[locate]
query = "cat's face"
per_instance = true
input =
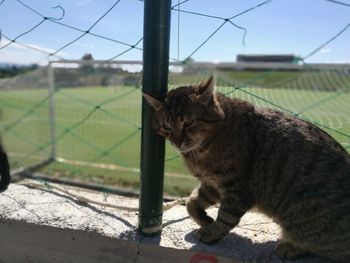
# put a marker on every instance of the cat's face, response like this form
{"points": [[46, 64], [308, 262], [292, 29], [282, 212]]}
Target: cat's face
{"points": [[187, 116]]}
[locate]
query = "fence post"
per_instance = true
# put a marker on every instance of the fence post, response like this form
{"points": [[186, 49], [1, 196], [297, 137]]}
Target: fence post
{"points": [[52, 111], [156, 37]]}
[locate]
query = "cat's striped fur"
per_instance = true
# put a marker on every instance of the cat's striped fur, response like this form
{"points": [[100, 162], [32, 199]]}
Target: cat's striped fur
{"points": [[247, 157]]}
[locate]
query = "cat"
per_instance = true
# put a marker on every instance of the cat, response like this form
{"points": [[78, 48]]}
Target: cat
{"points": [[247, 157], [4, 170]]}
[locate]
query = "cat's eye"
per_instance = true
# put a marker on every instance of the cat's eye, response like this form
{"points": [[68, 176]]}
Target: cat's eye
{"points": [[166, 127], [188, 123]]}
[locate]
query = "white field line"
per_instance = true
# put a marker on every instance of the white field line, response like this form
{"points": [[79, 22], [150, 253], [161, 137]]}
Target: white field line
{"points": [[115, 167]]}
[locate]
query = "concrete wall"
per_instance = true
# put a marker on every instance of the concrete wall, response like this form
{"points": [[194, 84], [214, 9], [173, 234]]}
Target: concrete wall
{"points": [[25, 242], [45, 225]]}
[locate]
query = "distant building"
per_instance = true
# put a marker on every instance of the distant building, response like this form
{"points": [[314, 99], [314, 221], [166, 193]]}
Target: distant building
{"points": [[282, 58]]}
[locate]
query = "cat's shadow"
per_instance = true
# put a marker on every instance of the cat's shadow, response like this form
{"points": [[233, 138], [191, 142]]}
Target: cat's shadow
{"points": [[243, 249]]}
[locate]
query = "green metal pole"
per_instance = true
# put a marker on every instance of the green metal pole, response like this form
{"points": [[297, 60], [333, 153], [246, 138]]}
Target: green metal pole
{"points": [[156, 37]]}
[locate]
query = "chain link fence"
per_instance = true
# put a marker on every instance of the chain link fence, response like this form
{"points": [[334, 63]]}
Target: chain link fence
{"points": [[85, 117], [80, 120]]}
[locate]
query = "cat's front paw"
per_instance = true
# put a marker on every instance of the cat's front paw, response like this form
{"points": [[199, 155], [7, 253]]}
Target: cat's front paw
{"points": [[210, 233]]}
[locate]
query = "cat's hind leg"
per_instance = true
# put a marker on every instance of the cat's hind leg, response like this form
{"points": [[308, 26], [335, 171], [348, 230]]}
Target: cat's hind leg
{"points": [[201, 198]]}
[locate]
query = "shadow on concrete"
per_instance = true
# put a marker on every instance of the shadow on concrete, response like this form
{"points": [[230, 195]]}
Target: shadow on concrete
{"points": [[243, 249], [92, 207], [170, 222], [135, 235]]}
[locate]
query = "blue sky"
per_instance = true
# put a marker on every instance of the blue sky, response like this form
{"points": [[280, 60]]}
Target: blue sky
{"points": [[280, 26]]}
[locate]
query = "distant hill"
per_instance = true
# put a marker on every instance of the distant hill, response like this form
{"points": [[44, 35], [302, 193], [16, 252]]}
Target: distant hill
{"points": [[11, 70], [6, 65]]}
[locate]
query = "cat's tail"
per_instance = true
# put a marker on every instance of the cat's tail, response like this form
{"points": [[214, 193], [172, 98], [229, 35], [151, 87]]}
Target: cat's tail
{"points": [[4, 171]]}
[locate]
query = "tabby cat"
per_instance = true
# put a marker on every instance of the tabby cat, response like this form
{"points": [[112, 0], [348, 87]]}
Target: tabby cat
{"points": [[4, 170], [247, 157]]}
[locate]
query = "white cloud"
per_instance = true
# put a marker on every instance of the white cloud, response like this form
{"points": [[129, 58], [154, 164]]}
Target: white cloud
{"points": [[47, 50], [325, 50], [19, 54]]}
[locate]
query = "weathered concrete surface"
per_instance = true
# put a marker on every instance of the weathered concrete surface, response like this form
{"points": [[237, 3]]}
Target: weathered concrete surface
{"points": [[54, 227], [31, 243]]}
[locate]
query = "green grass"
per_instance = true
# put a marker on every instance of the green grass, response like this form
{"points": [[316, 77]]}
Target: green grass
{"points": [[109, 134], [102, 125], [264, 78]]}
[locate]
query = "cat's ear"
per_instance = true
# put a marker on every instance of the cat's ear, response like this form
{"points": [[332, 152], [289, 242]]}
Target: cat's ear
{"points": [[207, 96], [156, 104], [206, 87], [204, 92]]}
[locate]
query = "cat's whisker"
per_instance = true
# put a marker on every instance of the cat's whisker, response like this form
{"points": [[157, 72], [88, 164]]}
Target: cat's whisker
{"points": [[194, 157]]}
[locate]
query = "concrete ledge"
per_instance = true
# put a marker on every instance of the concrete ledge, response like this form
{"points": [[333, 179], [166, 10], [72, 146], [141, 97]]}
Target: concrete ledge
{"points": [[48, 226], [27, 242]]}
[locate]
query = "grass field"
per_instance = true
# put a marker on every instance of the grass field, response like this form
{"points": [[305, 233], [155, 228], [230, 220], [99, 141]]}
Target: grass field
{"points": [[99, 125]]}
